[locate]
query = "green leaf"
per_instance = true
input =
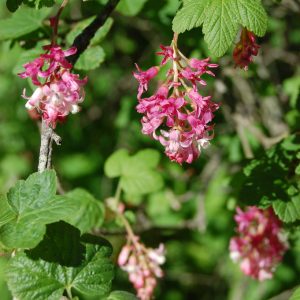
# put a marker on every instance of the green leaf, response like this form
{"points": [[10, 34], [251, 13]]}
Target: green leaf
{"points": [[251, 14], [220, 26], [97, 263], [40, 279], [90, 59], [13, 5], [144, 159], [271, 179], [78, 165], [114, 164], [137, 175], [90, 212], [291, 87], [4, 292], [40, 3], [61, 245], [6, 213], [190, 16], [14, 165], [159, 209], [24, 21], [32, 204], [288, 211], [295, 295], [297, 170], [99, 36], [29, 279], [102, 32], [141, 181], [130, 7], [221, 20], [28, 195], [121, 295]]}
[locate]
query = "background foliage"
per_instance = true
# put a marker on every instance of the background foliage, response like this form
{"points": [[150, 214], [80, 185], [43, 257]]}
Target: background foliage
{"points": [[189, 208]]}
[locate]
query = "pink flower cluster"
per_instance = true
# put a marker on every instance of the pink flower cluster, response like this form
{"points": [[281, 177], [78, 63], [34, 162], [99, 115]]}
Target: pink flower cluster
{"points": [[260, 244], [59, 91], [143, 266], [177, 115], [245, 49]]}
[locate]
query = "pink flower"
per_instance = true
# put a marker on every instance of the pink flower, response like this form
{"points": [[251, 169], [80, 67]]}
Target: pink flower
{"points": [[61, 92], [143, 78], [192, 76], [56, 99], [202, 65], [52, 61], [260, 244], [143, 266], [177, 115], [245, 49], [167, 52]]}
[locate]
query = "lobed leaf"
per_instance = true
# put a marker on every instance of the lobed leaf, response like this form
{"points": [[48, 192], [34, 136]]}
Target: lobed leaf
{"points": [[272, 179], [288, 211], [121, 295], [90, 212], [90, 59], [54, 266], [24, 21], [136, 172], [220, 26], [190, 16], [251, 14], [221, 20], [138, 182], [295, 295], [13, 5], [99, 35], [130, 7], [114, 164], [32, 204]]}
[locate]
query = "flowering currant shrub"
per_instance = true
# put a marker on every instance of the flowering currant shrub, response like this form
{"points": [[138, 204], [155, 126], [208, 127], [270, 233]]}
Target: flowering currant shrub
{"points": [[108, 215]]}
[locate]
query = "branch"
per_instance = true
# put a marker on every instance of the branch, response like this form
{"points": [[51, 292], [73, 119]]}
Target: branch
{"points": [[82, 41], [47, 137]]}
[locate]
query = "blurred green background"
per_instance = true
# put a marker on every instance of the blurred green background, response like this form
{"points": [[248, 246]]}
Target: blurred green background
{"points": [[192, 215]]}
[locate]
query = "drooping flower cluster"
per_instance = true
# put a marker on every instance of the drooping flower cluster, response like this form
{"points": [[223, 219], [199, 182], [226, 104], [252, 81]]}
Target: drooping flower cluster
{"points": [[177, 115], [143, 266], [245, 49], [58, 91], [260, 244]]}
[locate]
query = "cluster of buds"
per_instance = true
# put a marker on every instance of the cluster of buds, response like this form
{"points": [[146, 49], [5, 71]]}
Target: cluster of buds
{"points": [[245, 49], [143, 266], [260, 244], [58, 90], [177, 115]]}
